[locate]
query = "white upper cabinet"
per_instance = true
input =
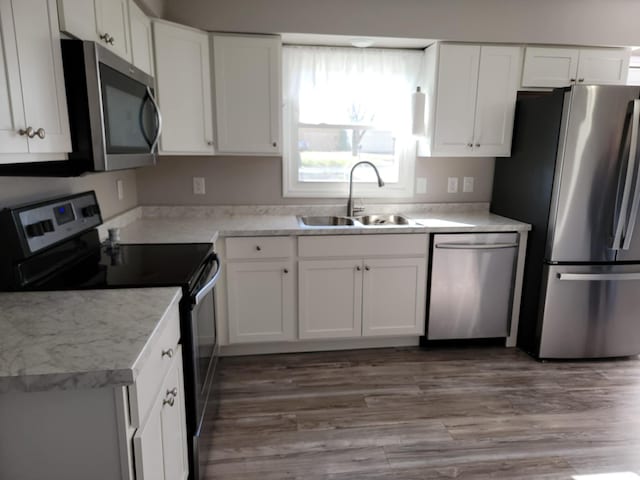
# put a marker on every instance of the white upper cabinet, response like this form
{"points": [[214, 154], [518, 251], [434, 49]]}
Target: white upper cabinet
{"points": [[141, 39], [33, 111], [102, 21], [561, 67], [183, 78], [470, 94], [248, 98]]}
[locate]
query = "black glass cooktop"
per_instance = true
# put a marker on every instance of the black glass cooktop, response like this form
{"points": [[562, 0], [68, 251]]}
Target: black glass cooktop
{"points": [[133, 266]]}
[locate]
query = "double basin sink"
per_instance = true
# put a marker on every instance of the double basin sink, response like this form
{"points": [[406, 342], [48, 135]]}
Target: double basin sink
{"points": [[363, 221]]}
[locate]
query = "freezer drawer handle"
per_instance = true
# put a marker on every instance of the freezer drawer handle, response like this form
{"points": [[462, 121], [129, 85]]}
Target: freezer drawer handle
{"points": [[475, 246], [599, 277]]}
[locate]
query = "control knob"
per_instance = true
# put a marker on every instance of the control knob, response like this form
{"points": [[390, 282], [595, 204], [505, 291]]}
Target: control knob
{"points": [[90, 210], [38, 229]]}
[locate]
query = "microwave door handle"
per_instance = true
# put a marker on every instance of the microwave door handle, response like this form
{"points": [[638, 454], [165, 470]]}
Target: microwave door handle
{"points": [[633, 147], [142, 129], [158, 119]]}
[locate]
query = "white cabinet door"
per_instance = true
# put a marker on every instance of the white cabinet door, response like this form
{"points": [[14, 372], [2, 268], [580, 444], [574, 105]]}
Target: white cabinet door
{"points": [[603, 66], [260, 301], [550, 67], [394, 296], [247, 79], [11, 108], [147, 446], [330, 298], [495, 107], [141, 39], [112, 21], [183, 79], [43, 90], [456, 99], [78, 18], [173, 421]]}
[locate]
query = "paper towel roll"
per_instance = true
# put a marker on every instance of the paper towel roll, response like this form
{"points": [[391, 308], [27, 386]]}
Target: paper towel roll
{"points": [[417, 113]]}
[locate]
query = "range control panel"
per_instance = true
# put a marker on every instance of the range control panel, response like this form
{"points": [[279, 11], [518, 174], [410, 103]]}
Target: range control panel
{"points": [[44, 224]]}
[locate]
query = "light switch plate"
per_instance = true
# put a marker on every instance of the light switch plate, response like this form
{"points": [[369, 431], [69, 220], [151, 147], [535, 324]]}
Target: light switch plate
{"points": [[120, 189], [199, 186], [467, 184], [421, 185], [452, 185]]}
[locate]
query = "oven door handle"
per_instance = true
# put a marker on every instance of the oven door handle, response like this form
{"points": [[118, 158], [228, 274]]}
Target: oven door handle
{"points": [[207, 287]]}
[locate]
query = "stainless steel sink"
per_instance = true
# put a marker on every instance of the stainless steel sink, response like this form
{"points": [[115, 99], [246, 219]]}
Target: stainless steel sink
{"points": [[383, 220], [327, 221]]}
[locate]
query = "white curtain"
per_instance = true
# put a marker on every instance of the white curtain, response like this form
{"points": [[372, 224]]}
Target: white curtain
{"points": [[347, 86]]}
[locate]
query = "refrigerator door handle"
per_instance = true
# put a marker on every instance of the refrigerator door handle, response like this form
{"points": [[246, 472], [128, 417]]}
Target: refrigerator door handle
{"points": [[631, 163], [599, 277], [635, 205]]}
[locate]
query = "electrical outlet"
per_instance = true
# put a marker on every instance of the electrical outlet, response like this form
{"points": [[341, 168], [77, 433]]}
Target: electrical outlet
{"points": [[120, 189], [467, 184], [452, 185], [198, 186], [421, 185]]}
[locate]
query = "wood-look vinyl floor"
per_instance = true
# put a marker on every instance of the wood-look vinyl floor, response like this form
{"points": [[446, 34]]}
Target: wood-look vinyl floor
{"points": [[409, 414]]}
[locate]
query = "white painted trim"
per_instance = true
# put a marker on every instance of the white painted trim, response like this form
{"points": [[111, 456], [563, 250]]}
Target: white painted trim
{"points": [[317, 345]]}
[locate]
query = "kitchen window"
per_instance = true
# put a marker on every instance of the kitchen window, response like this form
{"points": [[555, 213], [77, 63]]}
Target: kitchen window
{"points": [[344, 105]]}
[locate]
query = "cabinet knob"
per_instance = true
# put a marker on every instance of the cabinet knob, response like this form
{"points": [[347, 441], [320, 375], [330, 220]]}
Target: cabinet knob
{"points": [[40, 133], [286, 271], [210, 143], [105, 37], [173, 391], [258, 248], [581, 80], [470, 145], [275, 144], [572, 80], [112, 41], [168, 352], [29, 132], [358, 268], [367, 268], [477, 144], [168, 401]]}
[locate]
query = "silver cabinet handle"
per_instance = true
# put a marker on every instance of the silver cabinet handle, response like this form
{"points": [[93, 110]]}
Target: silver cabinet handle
{"points": [[173, 391], [475, 246], [29, 132], [367, 268], [106, 37], [168, 353], [599, 277], [40, 133], [168, 401], [258, 248], [358, 268], [285, 271]]}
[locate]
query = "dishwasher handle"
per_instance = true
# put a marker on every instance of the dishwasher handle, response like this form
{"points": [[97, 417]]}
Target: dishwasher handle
{"points": [[475, 246]]}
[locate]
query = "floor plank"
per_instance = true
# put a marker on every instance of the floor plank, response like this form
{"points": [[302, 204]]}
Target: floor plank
{"points": [[410, 413]]}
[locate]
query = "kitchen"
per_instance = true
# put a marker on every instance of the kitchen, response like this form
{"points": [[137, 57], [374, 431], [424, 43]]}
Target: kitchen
{"points": [[251, 180]]}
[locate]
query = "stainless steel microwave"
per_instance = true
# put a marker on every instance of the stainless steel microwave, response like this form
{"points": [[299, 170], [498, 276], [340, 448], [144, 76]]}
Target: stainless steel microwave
{"points": [[114, 118]]}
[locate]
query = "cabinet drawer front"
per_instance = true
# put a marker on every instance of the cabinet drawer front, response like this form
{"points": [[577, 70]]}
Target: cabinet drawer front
{"points": [[155, 367], [259, 247], [363, 245]]}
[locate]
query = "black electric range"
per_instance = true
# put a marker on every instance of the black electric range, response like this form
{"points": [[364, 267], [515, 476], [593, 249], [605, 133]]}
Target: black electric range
{"points": [[54, 245]]}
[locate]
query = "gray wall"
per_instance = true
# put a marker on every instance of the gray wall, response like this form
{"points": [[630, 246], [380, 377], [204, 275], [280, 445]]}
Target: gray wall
{"points": [[579, 22], [155, 8], [258, 180], [16, 190]]}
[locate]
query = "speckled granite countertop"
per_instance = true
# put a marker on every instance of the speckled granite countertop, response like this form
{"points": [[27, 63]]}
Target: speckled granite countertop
{"points": [[78, 339], [206, 224]]}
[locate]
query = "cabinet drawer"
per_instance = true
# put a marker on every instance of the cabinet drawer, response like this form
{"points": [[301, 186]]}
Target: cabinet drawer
{"points": [[363, 245], [163, 349], [259, 247]]}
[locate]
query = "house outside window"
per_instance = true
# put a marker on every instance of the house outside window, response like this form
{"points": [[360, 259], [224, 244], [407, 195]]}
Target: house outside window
{"points": [[344, 105]]}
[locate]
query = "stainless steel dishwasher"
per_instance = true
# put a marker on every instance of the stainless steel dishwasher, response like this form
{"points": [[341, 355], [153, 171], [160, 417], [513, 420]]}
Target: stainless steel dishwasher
{"points": [[471, 285]]}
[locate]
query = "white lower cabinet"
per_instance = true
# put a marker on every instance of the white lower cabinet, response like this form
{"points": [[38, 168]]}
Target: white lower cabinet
{"points": [[330, 298], [160, 445], [260, 282], [393, 296], [261, 301], [381, 293]]}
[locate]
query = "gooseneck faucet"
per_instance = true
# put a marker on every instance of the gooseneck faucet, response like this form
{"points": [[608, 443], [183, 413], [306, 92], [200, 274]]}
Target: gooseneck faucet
{"points": [[350, 201]]}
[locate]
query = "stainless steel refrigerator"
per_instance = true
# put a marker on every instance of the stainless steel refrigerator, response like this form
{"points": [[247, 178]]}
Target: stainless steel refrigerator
{"points": [[574, 174]]}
